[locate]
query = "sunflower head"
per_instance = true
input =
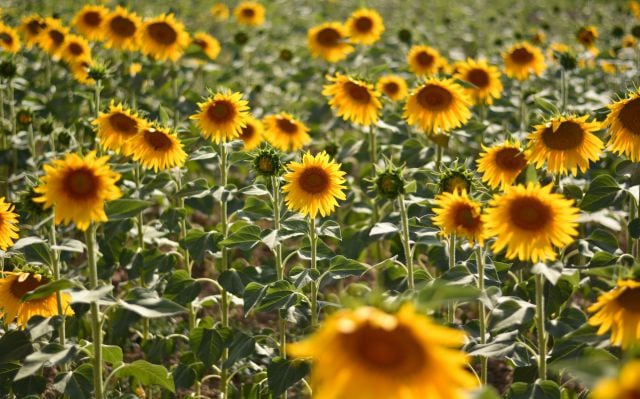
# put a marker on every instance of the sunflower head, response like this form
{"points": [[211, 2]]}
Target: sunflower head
{"points": [[163, 38], [456, 178], [424, 60], [222, 116], [354, 100], [587, 36], [285, 132], [97, 71], [252, 133], [365, 26], [89, 21], [157, 148], [485, 79], [220, 11], [457, 214], [120, 29], [522, 59], [267, 162], [626, 385], [618, 311], [393, 86], [117, 126], [74, 49], [250, 13], [31, 27], [329, 41], [9, 39], [8, 224], [623, 123], [53, 36], [208, 44], [24, 116], [501, 164], [389, 182]]}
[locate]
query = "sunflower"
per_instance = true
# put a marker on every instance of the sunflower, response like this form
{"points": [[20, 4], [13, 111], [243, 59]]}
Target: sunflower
{"points": [[538, 38], [75, 48], [80, 71], [367, 353], [625, 386], [459, 215], [354, 100], [249, 13], [78, 187], [222, 116], [424, 60], [8, 222], [15, 285], [556, 49], [329, 41], [439, 104], [285, 132], [9, 40], [209, 45], [163, 38], [53, 36], [565, 143], [522, 59], [314, 185], [31, 27], [624, 126], [252, 133], [587, 36], [530, 221], [89, 21], [629, 41], [365, 26], [501, 164], [120, 28], [219, 11], [117, 127], [619, 311], [485, 78], [393, 86], [157, 148]]}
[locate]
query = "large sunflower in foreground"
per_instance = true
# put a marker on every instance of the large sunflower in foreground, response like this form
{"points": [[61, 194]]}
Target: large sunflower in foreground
{"points": [[209, 45], [53, 36], [121, 27], [252, 133], [393, 86], [163, 38], [565, 144], [31, 27], [285, 132], [78, 187], [625, 386], [522, 60], [366, 353], [314, 185], [457, 214], [15, 285], [117, 126], [424, 60], [329, 41], [438, 105], [249, 13], [531, 221], [157, 148], [8, 222], [484, 77], [89, 20], [365, 26], [501, 164], [75, 48], [9, 40], [618, 311], [624, 126], [222, 116], [354, 100]]}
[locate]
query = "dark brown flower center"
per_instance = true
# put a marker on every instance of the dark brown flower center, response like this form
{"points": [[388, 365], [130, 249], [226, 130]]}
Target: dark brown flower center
{"points": [[122, 26], [391, 88], [529, 213], [286, 125], [162, 33], [521, 56], [630, 116], [314, 180], [247, 132], [92, 18], [629, 300], [80, 183], [425, 59], [586, 37], [20, 288], [220, 111], [510, 159], [56, 36], [466, 217], [478, 77], [6, 38], [202, 43], [328, 37], [124, 124], [435, 97], [364, 24], [34, 27], [248, 12], [157, 139], [76, 49], [568, 136], [357, 93]]}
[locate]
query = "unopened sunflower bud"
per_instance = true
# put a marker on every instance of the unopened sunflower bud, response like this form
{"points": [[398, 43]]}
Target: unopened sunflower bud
{"points": [[98, 72], [8, 69], [404, 35], [286, 55], [390, 183], [240, 38], [24, 117], [266, 162], [626, 260], [331, 149], [635, 31], [456, 179]]}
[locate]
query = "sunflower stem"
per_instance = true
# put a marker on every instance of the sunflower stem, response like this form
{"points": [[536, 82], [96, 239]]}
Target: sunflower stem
{"points": [[439, 152], [224, 301], [373, 158], [484, 361], [540, 327], [633, 212], [451, 307], [563, 90], [12, 121], [406, 243], [176, 97], [523, 109], [275, 187], [96, 94], [32, 145], [96, 329], [137, 171], [4, 169], [56, 276], [313, 241]]}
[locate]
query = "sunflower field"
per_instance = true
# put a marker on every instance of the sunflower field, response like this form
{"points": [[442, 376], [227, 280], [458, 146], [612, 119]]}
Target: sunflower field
{"points": [[376, 199]]}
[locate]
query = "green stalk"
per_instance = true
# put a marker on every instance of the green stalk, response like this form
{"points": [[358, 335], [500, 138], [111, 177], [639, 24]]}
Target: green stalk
{"points": [[405, 241], [96, 329], [563, 90], [373, 158], [523, 109], [484, 361], [439, 152], [176, 96], [56, 277], [137, 171], [313, 241], [275, 186], [540, 327], [96, 95], [14, 128], [451, 307], [224, 301], [4, 169], [631, 242]]}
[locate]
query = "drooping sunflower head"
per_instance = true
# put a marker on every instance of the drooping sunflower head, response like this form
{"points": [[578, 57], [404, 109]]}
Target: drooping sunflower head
{"points": [[565, 144], [53, 36], [457, 214], [222, 116], [424, 60], [15, 285], [78, 187], [219, 11], [329, 41], [531, 222], [314, 185], [74, 49], [627, 383], [522, 59], [117, 127], [501, 164], [31, 27], [267, 162], [285, 132], [618, 311], [623, 123], [120, 29], [89, 21], [587, 36], [209, 45], [367, 353], [485, 79], [163, 38], [252, 133], [365, 26], [157, 148], [8, 224], [353, 99], [9, 40], [393, 86], [250, 13], [438, 105]]}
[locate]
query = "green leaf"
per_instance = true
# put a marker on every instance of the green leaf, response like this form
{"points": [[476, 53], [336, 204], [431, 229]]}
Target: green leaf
{"points": [[540, 390], [512, 313], [602, 191], [547, 106], [147, 303], [35, 250], [341, 267], [181, 288], [244, 238], [283, 373], [634, 228], [110, 353], [383, 228], [50, 356], [77, 383], [14, 345], [602, 258], [145, 373], [199, 242], [231, 281], [253, 294], [125, 208], [208, 344], [439, 292], [242, 346], [48, 289], [280, 295], [255, 189], [330, 228]]}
